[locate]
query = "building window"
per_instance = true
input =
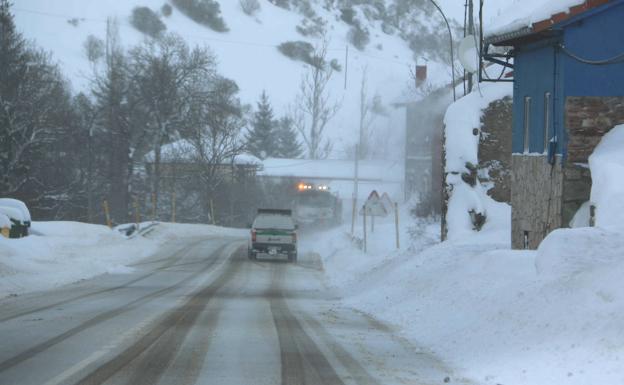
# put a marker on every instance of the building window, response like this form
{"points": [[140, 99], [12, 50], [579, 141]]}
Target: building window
{"points": [[546, 121], [527, 124]]}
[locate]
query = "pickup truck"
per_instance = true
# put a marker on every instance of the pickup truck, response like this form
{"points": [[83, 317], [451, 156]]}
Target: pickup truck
{"points": [[273, 232]]}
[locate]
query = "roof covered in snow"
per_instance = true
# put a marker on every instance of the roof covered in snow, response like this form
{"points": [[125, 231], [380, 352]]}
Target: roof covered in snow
{"points": [[372, 170], [525, 17], [184, 150]]}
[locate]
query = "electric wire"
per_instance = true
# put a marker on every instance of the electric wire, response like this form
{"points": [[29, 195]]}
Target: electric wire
{"points": [[204, 38], [612, 60]]}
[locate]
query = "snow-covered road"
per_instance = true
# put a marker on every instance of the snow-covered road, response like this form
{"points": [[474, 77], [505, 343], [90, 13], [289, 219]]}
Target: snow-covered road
{"points": [[199, 312]]}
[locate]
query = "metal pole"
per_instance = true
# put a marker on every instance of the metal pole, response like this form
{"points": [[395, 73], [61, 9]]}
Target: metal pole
{"points": [[364, 216], [355, 188], [346, 65], [448, 26], [471, 31], [480, 40], [396, 221]]}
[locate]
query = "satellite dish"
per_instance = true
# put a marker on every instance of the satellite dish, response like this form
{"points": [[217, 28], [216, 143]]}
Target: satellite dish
{"points": [[468, 54]]}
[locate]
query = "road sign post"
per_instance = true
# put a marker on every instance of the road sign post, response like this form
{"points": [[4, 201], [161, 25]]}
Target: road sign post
{"points": [[396, 221], [364, 219]]}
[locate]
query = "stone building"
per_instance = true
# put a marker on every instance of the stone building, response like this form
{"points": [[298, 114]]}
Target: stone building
{"points": [[568, 92]]}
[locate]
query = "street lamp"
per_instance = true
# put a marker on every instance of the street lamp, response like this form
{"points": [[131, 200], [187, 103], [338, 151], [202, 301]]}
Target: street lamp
{"points": [[448, 26]]}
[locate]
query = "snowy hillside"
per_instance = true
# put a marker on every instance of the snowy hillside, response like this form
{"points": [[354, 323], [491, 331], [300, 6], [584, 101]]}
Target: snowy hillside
{"points": [[246, 53]]}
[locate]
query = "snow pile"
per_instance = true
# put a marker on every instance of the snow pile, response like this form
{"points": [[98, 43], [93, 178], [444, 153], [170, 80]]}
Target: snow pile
{"points": [[570, 252], [58, 253], [19, 205], [523, 13], [607, 170], [496, 316], [462, 146]]}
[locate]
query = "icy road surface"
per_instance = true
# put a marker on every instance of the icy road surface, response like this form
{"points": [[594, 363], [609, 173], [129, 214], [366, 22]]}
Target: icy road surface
{"points": [[200, 312]]}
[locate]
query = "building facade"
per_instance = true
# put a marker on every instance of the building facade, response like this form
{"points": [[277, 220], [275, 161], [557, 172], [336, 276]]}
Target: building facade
{"points": [[568, 92]]}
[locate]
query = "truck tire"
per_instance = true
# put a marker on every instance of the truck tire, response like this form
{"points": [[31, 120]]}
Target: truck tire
{"points": [[251, 254], [292, 257]]}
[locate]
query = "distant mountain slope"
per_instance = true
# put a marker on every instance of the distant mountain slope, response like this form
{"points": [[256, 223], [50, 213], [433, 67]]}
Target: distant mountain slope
{"points": [[247, 52]]}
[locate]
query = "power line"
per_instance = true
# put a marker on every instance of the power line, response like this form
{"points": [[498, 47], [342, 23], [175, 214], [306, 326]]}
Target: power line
{"points": [[204, 38], [612, 60]]}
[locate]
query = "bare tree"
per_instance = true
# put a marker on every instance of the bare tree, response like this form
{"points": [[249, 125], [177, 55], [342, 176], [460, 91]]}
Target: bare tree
{"points": [[164, 73], [313, 108], [215, 133]]}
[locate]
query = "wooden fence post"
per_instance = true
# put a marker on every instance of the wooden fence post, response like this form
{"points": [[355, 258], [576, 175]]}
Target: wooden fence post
{"points": [[173, 207], [107, 214], [137, 213]]}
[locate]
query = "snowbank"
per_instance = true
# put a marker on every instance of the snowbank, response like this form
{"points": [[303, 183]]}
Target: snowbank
{"points": [[63, 252], [494, 315], [17, 204], [607, 170], [497, 316], [462, 147]]}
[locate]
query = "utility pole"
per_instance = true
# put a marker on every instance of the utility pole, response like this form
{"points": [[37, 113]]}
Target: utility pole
{"points": [[471, 31], [355, 188], [448, 27], [346, 65]]}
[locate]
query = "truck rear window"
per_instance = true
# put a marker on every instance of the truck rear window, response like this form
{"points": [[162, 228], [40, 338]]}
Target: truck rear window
{"points": [[281, 222]]}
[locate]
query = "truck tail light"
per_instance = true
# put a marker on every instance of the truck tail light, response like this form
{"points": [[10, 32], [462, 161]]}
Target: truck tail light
{"points": [[253, 235], [294, 235]]}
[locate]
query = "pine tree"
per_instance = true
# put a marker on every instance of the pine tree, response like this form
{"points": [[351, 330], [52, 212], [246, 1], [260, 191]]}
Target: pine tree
{"points": [[261, 138], [287, 141]]}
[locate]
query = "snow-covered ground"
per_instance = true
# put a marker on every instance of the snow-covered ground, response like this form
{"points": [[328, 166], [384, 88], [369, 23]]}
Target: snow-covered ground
{"points": [[58, 253], [551, 316]]}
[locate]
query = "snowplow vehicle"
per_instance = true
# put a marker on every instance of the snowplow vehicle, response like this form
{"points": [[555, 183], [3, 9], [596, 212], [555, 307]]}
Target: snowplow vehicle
{"points": [[316, 206], [273, 232]]}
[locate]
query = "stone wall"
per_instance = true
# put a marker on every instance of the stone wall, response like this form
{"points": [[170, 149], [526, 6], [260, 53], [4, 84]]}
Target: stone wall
{"points": [[587, 119], [546, 197], [536, 199], [495, 149]]}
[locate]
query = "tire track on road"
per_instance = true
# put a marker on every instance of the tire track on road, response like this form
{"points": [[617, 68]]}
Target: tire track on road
{"points": [[157, 349], [300, 356], [11, 362], [171, 261], [357, 371]]}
